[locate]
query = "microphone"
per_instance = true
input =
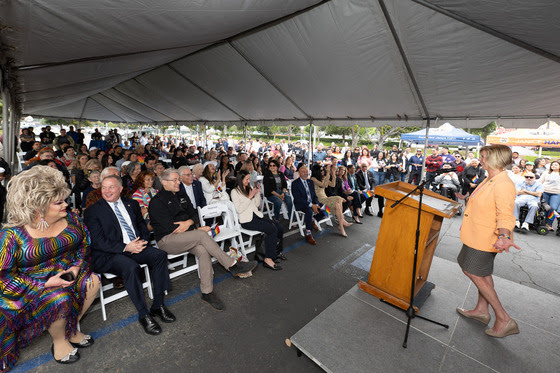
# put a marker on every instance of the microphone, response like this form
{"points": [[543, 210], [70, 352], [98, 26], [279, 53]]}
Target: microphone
{"points": [[444, 170]]}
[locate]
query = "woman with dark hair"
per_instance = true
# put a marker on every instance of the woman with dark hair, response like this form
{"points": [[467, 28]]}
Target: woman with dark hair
{"points": [[226, 166], [334, 203], [348, 159], [144, 192], [107, 161], [276, 189], [379, 168], [247, 201], [257, 166], [178, 159], [45, 277], [288, 168], [344, 190], [83, 149], [26, 140], [485, 232], [394, 168]]}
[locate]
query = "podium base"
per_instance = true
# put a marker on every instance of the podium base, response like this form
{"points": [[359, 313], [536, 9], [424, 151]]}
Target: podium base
{"points": [[419, 298]]}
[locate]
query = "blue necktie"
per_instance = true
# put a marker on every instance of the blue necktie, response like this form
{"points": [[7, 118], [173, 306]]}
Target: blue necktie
{"points": [[307, 190], [126, 227]]}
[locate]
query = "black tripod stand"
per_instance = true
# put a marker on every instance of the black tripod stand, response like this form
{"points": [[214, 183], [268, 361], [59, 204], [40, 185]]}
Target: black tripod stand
{"points": [[410, 310]]}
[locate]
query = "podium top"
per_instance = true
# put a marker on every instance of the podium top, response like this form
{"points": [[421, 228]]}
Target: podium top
{"points": [[431, 202]]}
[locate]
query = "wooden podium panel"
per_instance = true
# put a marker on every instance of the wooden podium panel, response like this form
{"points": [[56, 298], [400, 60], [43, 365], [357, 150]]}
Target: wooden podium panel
{"points": [[391, 268]]}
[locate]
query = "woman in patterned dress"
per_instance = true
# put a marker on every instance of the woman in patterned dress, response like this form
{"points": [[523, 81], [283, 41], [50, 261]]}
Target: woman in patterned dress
{"points": [[144, 192], [43, 242]]}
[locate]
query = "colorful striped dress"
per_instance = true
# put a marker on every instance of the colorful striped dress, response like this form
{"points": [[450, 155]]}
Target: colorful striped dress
{"points": [[27, 309]]}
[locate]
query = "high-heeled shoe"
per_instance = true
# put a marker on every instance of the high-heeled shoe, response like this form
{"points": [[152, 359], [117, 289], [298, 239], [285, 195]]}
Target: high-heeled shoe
{"points": [[274, 268], [510, 328], [84, 343], [356, 220], [483, 317]]}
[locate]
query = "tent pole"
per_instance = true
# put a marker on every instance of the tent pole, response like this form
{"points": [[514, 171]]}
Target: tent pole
{"points": [[205, 138], [310, 150], [426, 147], [245, 135]]}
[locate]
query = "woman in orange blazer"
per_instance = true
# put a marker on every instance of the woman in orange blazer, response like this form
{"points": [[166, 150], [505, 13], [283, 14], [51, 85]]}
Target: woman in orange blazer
{"points": [[487, 226]]}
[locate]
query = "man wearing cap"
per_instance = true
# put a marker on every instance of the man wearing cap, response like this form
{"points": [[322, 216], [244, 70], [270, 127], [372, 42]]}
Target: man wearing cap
{"points": [[529, 193]]}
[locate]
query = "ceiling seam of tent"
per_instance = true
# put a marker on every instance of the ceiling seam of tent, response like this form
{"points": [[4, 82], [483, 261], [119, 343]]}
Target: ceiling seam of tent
{"points": [[491, 31], [205, 92], [135, 79], [141, 103], [83, 108], [403, 56], [127, 107], [265, 77], [106, 108]]}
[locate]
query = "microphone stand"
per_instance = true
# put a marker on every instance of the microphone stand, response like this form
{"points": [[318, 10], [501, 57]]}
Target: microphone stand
{"points": [[410, 310]]}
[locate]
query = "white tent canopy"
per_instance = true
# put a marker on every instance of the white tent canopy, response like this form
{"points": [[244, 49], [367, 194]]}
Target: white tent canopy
{"points": [[342, 62]]}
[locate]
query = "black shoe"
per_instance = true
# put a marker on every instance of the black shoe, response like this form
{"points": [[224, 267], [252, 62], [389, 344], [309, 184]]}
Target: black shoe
{"points": [[86, 342], [368, 212], [356, 220], [242, 267], [259, 257], [281, 256], [164, 314], [213, 300], [72, 357], [275, 268], [380, 214], [150, 325]]}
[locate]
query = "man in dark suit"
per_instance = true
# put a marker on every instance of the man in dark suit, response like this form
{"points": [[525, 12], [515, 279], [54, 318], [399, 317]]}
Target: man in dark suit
{"points": [[306, 200], [191, 187], [119, 238], [366, 183]]}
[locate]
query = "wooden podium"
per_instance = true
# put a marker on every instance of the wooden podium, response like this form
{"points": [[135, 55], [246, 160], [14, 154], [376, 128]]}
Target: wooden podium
{"points": [[390, 275]]}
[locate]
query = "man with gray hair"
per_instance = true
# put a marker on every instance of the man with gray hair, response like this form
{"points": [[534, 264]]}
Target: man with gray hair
{"points": [[173, 219], [95, 195]]}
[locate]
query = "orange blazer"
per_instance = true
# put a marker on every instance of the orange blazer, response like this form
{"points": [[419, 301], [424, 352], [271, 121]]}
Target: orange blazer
{"points": [[489, 208]]}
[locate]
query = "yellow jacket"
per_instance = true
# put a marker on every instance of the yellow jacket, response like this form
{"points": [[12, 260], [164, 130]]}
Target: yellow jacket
{"points": [[489, 208]]}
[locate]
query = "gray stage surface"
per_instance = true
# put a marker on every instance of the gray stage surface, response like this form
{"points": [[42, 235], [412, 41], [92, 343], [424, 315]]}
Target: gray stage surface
{"points": [[358, 333]]}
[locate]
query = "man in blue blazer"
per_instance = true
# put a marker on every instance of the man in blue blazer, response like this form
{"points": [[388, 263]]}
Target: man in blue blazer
{"points": [[191, 187], [119, 238], [305, 200]]}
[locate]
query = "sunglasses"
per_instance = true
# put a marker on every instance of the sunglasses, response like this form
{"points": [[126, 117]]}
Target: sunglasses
{"points": [[529, 177]]}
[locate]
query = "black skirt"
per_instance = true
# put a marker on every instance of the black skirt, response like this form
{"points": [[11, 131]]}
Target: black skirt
{"points": [[476, 262]]}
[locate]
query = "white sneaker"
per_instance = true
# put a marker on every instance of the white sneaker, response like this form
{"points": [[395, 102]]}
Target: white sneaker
{"points": [[525, 226], [517, 224]]}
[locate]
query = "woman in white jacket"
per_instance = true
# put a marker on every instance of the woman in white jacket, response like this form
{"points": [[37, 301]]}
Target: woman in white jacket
{"points": [[214, 189], [247, 201]]}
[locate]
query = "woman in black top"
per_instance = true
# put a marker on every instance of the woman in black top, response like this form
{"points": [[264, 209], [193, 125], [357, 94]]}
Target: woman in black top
{"points": [[472, 176], [225, 165], [348, 159], [178, 159], [276, 188], [394, 168]]}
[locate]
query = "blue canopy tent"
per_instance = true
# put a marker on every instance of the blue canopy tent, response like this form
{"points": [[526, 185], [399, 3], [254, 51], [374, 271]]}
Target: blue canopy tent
{"points": [[444, 135]]}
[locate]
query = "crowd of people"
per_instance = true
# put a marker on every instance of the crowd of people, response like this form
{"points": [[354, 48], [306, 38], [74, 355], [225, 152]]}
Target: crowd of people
{"points": [[147, 189]]}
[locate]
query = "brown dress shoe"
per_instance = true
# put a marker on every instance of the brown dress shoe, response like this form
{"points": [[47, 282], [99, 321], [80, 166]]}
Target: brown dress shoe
{"points": [[309, 238], [315, 226]]}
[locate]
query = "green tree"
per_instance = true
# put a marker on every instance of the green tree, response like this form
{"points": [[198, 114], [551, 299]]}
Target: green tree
{"points": [[380, 134], [484, 131]]}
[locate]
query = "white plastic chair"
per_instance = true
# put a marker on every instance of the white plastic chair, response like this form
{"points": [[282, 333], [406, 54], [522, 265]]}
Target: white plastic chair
{"points": [[297, 219], [228, 231], [123, 293]]}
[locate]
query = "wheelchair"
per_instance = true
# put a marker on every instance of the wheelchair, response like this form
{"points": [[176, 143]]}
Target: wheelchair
{"points": [[449, 194], [539, 224]]}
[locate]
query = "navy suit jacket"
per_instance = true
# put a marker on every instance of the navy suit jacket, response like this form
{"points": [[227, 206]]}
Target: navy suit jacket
{"points": [[198, 193], [106, 233], [300, 195]]}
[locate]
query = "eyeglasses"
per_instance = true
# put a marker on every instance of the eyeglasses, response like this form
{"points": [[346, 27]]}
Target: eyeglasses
{"points": [[272, 165], [529, 177]]}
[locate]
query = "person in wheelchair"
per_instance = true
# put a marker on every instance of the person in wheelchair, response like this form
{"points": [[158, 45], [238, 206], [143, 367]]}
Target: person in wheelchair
{"points": [[529, 193], [448, 183]]}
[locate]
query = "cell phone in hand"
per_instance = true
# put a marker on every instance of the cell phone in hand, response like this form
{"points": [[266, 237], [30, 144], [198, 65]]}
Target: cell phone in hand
{"points": [[68, 276]]}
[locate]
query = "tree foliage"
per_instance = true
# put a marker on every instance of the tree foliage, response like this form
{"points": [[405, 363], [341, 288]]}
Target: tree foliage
{"points": [[484, 131]]}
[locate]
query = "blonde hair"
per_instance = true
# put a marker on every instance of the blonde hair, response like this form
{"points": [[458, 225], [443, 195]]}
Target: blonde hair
{"points": [[31, 192], [498, 156]]}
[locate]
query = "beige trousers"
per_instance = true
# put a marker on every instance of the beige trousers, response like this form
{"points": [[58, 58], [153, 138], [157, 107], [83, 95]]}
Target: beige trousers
{"points": [[200, 244]]}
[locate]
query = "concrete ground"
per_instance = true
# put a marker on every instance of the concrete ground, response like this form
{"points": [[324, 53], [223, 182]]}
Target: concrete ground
{"points": [[270, 307]]}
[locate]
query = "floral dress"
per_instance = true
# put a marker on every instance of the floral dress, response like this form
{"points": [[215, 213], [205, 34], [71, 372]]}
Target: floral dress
{"points": [[27, 308]]}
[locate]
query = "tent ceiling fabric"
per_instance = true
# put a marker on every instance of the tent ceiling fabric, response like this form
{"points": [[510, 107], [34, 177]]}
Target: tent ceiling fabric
{"points": [[332, 62]]}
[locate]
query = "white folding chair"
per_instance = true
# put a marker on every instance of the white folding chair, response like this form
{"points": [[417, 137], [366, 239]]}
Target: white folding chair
{"points": [[227, 232], [123, 293], [297, 219]]}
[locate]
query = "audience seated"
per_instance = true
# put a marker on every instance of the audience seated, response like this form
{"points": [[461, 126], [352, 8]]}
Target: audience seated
{"points": [[529, 194]]}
